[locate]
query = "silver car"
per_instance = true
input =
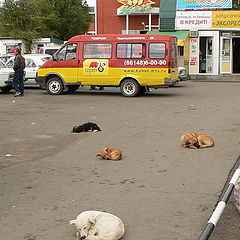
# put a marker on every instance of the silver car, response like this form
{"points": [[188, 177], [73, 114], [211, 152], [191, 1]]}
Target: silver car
{"points": [[32, 62], [6, 76]]}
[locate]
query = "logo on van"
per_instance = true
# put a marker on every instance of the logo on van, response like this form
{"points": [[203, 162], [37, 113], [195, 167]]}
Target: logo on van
{"points": [[100, 66]]}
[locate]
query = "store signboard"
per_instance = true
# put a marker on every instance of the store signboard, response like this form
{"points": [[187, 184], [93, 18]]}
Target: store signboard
{"points": [[134, 6], [195, 20], [203, 4], [193, 63], [226, 19]]}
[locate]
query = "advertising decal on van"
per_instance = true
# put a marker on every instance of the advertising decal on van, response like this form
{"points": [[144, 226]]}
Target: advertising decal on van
{"points": [[95, 66]]}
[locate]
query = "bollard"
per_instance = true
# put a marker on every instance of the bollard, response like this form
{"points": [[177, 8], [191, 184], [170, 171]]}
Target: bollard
{"points": [[212, 222]]}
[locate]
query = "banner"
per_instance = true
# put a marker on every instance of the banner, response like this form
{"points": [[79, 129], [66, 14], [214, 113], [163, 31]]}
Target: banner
{"points": [[226, 19], [186, 20], [203, 4], [134, 6]]}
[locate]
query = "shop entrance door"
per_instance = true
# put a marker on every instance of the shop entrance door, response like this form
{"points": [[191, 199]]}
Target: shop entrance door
{"points": [[236, 55], [205, 55], [225, 59]]}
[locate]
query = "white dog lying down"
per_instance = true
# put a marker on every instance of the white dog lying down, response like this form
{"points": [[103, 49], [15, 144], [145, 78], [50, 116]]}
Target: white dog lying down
{"points": [[95, 225]]}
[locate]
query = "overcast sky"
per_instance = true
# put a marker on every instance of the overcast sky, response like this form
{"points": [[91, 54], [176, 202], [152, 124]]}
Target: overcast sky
{"points": [[90, 2]]}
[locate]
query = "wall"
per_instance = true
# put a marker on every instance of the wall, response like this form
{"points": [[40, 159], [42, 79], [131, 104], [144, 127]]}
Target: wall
{"points": [[109, 23]]}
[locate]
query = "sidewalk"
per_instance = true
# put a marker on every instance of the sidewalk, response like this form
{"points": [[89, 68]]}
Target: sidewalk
{"points": [[228, 227]]}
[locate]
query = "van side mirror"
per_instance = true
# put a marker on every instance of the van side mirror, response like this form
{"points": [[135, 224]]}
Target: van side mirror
{"points": [[54, 58]]}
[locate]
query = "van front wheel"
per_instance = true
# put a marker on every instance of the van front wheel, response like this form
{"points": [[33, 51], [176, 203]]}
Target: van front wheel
{"points": [[130, 88], [55, 86]]}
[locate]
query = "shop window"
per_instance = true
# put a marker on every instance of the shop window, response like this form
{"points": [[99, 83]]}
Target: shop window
{"points": [[131, 50], [181, 51], [97, 50], [157, 50]]}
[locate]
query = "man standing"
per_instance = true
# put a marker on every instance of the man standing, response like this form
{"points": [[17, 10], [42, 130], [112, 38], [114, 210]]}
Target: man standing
{"points": [[19, 65]]}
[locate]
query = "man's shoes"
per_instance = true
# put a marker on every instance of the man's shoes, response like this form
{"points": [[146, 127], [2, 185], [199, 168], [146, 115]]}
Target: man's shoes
{"points": [[18, 94]]}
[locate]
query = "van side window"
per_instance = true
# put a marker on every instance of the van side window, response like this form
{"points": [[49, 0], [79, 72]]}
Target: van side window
{"points": [[69, 52], [97, 50], [157, 50], [131, 50]]}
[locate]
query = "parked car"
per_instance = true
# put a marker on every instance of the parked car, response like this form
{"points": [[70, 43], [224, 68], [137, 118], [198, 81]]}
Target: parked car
{"points": [[33, 62], [5, 57], [6, 76], [182, 73], [48, 50]]}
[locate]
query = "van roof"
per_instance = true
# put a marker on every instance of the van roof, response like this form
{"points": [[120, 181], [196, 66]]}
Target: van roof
{"points": [[120, 37]]}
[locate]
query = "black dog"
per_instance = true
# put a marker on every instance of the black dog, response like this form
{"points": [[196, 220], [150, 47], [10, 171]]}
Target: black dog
{"points": [[86, 127]]}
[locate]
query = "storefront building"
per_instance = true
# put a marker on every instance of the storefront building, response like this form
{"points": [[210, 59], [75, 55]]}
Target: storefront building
{"points": [[214, 38], [211, 30]]}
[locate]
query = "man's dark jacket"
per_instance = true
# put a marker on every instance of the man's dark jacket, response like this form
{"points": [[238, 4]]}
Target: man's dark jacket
{"points": [[19, 63]]}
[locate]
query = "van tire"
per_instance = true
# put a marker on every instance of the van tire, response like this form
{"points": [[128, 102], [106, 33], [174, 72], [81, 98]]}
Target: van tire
{"points": [[55, 86], [130, 88], [72, 88], [6, 89]]}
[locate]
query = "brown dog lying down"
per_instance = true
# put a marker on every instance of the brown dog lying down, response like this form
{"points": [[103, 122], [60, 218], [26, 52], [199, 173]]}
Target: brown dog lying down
{"points": [[110, 153], [196, 140]]}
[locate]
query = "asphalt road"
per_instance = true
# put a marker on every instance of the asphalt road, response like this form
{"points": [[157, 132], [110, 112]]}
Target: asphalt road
{"points": [[160, 190]]}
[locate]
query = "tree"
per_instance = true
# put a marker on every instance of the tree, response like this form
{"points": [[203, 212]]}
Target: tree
{"points": [[24, 20], [72, 18], [32, 19]]}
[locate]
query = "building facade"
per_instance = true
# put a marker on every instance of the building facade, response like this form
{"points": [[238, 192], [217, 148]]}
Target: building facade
{"points": [[126, 16], [211, 47], [214, 31]]}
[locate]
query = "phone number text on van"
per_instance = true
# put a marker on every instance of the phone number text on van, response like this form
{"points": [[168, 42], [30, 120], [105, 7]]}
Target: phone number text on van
{"points": [[145, 62]]}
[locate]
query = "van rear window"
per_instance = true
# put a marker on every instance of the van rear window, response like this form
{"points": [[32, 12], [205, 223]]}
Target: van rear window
{"points": [[157, 50], [97, 50]]}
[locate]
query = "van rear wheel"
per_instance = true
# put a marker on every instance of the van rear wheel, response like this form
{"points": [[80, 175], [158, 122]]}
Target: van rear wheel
{"points": [[55, 86], [130, 88]]}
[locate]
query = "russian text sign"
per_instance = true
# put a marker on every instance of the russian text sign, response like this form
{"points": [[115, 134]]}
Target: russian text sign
{"points": [[195, 20], [226, 19]]}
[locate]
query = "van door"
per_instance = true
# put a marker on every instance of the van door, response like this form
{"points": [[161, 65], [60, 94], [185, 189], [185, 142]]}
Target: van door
{"points": [[66, 63], [96, 58]]}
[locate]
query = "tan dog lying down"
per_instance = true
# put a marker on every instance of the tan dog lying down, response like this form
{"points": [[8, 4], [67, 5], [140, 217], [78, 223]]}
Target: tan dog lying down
{"points": [[95, 225], [110, 153], [196, 140]]}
